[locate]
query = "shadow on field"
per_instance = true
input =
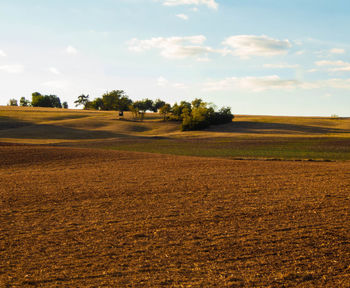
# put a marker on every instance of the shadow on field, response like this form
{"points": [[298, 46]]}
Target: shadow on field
{"points": [[273, 128], [10, 123], [10, 128]]}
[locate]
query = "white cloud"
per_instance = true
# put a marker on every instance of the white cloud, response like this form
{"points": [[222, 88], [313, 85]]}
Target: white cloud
{"points": [[71, 50], [173, 47], [253, 84], [54, 70], [182, 16], [337, 51], [331, 63], [2, 53], [274, 82], [162, 82], [281, 66], [338, 83], [12, 69], [246, 46], [301, 52], [56, 84], [209, 3], [337, 66]]}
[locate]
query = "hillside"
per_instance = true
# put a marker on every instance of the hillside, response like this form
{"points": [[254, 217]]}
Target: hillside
{"points": [[246, 137]]}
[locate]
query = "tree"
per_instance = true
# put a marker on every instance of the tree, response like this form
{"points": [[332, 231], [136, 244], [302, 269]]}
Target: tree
{"points": [[123, 103], [96, 104], [201, 116], [177, 110], [24, 102], [12, 102], [158, 104], [65, 105], [111, 99], [165, 110], [197, 102], [82, 100], [134, 110], [39, 100], [142, 106]]}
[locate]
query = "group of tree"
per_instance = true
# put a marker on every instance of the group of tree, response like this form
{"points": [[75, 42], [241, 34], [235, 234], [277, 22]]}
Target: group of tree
{"points": [[193, 116], [39, 100], [197, 115]]}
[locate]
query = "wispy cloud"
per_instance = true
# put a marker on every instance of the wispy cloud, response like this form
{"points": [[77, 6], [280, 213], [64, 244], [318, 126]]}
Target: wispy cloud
{"points": [[246, 46], [173, 47], [2, 53], [252, 84], [337, 51], [54, 70], [281, 66], [209, 3], [163, 82], [182, 16], [274, 82], [71, 50], [334, 66], [12, 69], [56, 84]]}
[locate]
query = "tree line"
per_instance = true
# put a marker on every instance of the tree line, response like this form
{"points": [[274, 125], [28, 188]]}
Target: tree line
{"points": [[38, 100], [193, 115]]}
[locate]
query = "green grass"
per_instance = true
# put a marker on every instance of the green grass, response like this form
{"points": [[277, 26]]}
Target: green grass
{"points": [[276, 148]]}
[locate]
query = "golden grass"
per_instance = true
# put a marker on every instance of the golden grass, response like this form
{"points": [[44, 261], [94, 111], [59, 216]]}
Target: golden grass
{"points": [[51, 125]]}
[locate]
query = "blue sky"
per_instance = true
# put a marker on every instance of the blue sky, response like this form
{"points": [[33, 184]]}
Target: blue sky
{"points": [[256, 56]]}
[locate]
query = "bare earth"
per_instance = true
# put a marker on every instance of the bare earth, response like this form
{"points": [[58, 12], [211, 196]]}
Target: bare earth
{"points": [[91, 218]]}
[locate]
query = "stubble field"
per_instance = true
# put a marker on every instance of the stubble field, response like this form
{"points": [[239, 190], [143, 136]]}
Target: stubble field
{"points": [[75, 217]]}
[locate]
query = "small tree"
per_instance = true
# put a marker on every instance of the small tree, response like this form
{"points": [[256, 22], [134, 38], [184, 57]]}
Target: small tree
{"points": [[134, 110], [82, 100], [143, 106], [177, 110], [158, 104], [12, 102], [165, 110], [65, 105], [96, 104], [123, 103], [24, 102]]}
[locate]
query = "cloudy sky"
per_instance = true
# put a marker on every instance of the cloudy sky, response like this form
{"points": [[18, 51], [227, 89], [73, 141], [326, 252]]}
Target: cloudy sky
{"points": [[257, 56]]}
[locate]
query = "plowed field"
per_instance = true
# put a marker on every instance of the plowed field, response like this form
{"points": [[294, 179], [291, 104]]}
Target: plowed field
{"points": [[91, 218]]}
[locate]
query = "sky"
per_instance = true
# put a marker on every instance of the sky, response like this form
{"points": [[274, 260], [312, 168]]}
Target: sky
{"points": [[265, 57]]}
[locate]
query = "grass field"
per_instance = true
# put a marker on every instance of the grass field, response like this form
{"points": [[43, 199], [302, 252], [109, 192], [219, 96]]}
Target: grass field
{"points": [[262, 137]]}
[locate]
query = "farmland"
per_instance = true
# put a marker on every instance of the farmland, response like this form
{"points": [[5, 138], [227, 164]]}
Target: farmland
{"points": [[86, 201], [263, 137]]}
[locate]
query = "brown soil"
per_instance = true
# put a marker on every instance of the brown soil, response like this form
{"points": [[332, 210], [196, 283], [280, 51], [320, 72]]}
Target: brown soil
{"points": [[91, 218]]}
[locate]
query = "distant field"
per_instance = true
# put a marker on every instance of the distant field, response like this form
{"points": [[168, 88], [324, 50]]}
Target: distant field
{"points": [[266, 137], [95, 218]]}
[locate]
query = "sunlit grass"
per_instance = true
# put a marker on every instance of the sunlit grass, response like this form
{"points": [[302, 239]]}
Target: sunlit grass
{"points": [[273, 137]]}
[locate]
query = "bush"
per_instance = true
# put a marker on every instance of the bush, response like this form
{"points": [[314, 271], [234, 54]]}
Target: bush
{"points": [[39, 100], [201, 117]]}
